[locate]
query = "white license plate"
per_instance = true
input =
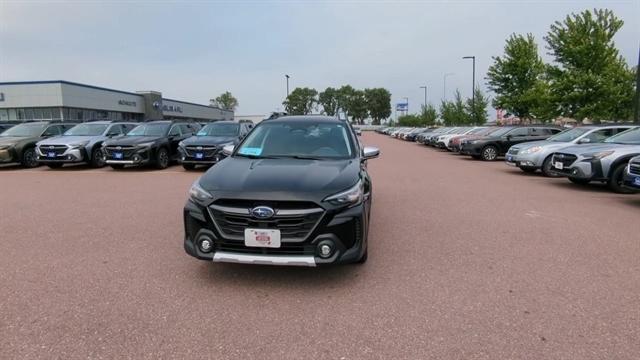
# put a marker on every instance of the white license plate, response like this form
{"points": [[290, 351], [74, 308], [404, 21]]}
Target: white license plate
{"points": [[51, 154], [199, 156], [558, 165], [117, 155], [636, 181], [262, 238], [509, 158]]}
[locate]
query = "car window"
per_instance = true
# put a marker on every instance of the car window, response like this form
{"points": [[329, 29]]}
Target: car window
{"points": [[599, 135], [186, 129], [175, 130], [52, 130], [519, 132], [114, 130]]}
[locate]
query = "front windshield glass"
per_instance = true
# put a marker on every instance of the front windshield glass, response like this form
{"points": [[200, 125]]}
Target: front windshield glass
{"points": [[630, 137], [149, 130], [299, 139], [568, 135], [220, 130], [501, 131], [87, 130], [25, 130]]}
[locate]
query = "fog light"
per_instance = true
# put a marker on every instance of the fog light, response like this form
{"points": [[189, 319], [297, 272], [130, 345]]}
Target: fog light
{"points": [[206, 245], [69, 157], [136, 158], [325, 250], [183, 158]]}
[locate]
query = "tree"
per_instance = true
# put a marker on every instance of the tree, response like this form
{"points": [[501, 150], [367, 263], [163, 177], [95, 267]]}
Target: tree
{"points": [[516, 77], [344, 96], [225, 101], [329, 101], [429, 115], [301, 101], [447, 113], [358, 106], [410, 120], [460, 115], [590, 78], [378, 103], [477, 108]]}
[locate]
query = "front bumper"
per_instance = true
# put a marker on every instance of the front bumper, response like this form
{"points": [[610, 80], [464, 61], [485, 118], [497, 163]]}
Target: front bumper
{"points": [[471, 149], [581, 168], [631, 180], [345, 229], [70, 155], [528, 161], [128, 156], [203, 157]]}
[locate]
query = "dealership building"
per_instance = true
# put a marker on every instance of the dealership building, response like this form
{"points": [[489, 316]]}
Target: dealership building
{"points": [[64, 100]]}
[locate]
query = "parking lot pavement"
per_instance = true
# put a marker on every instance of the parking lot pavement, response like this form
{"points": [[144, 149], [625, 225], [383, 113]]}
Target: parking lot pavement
{"points": [[467, 260]]}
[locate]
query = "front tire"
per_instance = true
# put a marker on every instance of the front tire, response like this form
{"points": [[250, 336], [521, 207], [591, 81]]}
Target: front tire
{"points": [[616, 181], [29, 159], [98, 158], [162, 159], [547, 170], [489, 153]]}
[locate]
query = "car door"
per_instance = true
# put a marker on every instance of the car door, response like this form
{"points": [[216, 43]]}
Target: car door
{"points": [[115, 130], [52, 130], [175, 136], [515, 136]]}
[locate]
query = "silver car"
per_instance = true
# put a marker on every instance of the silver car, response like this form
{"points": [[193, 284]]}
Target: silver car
{"points": [[80, 144], [536, 155], [604, 162]]}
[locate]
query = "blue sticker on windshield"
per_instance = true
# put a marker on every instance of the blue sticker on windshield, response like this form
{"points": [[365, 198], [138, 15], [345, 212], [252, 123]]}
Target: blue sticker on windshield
{"points": [[250, 151]]}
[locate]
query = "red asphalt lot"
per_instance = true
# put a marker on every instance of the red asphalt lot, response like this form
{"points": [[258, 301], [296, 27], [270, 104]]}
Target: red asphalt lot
{"points": [[467, 260]]}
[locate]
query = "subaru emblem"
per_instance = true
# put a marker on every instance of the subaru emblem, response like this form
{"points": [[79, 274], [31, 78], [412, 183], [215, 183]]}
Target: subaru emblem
{"points": [[262, 212], [50, 146], [118, 147], [199, 148]]}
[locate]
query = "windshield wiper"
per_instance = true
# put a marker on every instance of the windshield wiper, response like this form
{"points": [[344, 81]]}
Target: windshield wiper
{"points": [[255, 156]]}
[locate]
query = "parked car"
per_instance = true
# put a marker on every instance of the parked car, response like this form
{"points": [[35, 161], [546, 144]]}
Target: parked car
{"points": [[632, 174], [536, 155], [423, 138], [414, 135], [444, 141], [205, 147], [496, 144], [18, 144], [433, 139], [454, 143], [407, 136], [80, 144], [295, 191], [603, 162], [154, 142]]}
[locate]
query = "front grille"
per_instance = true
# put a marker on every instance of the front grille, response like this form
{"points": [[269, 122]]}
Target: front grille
{"points": [[513, 151], [634, 168], [207, 151], [57, 149], [125, 150], [295, 220], [565, 159]]}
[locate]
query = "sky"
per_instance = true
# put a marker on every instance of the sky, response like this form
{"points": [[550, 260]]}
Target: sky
{"points": [[195, 50]]}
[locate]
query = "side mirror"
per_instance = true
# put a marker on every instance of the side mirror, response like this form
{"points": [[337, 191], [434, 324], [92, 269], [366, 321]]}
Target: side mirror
{"points": [[370, 152], [228, 150], [584, 141]]}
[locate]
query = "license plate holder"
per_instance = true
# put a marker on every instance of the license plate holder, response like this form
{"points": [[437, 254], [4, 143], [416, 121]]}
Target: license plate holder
{"points": [[51, 154], [266, 238], [117, 155], [199, 156], [558, 165], [636, 181]]}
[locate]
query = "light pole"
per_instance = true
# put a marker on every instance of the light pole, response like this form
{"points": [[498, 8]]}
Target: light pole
{"points": [[444, 87], [287, 76], [406, 101], [473, 85], [425, 96]]}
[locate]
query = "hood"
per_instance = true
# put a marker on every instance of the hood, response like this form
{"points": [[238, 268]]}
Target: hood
{"points": [[209, 140], [589, 148], [66, 140], [132, 140], [12, 140], [278, 179]]}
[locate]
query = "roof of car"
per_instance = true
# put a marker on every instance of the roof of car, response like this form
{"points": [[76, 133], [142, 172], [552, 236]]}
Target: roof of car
{"points": [[295, 118], [223, 122]]}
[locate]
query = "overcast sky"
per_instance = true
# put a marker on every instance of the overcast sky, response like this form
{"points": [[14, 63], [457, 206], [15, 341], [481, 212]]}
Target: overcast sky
{"points": [[195, 50]]}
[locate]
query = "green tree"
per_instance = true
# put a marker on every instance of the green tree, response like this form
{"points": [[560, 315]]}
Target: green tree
{"points": [[410, 120], [516, 77], [301, 101], [477, 108], [225, 101], [429, 115], [345, 96], [329, 101], [461, 117], [358, 106], [447, 113], [590, 79], [378, 104]]}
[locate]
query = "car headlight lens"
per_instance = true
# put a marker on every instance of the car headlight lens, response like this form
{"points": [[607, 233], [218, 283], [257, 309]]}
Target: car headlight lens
{"points": [[531, 150], [198, 194], [351, 196], [145, 145], [473, 141], [79, 145], [597, 155]]}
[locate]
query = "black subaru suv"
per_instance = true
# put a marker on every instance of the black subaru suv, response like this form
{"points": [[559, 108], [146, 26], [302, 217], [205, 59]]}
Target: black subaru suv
{"points": [[18, 144], [154, 142], [205, 148], [497, 143], [295, 191]]}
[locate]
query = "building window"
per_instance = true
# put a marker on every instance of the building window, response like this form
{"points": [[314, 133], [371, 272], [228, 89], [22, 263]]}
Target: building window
{"points": [[4, 115]]}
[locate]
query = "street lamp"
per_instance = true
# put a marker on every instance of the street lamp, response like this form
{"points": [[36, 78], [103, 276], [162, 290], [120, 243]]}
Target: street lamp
{"points": [[473, 84], [287, 76], [444, 87], [406, 101], [425, 95]]}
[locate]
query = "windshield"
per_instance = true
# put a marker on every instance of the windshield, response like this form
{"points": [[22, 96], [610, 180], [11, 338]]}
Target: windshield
{"points": [[149, 130], [25, 130], [86, 130], [631, 137], [303, 139], [501, 131], [220, 130], [569, 135]]}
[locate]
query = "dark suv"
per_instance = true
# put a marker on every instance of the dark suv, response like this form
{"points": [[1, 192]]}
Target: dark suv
{"points": [[295, 191], [205, 148], [154, 142], [497, 143], [18, 144]]}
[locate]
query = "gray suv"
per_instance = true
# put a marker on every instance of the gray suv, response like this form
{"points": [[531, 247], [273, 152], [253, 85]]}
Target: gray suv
{"points": [[80, 144], [604, 162], [536, 155]]}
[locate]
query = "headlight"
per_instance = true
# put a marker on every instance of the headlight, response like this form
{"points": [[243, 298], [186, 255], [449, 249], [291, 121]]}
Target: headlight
{"points": [[79, 145], [531, 150], [198, 194], [351, 196], [147, 144], [473, 141], [597, 155]]}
